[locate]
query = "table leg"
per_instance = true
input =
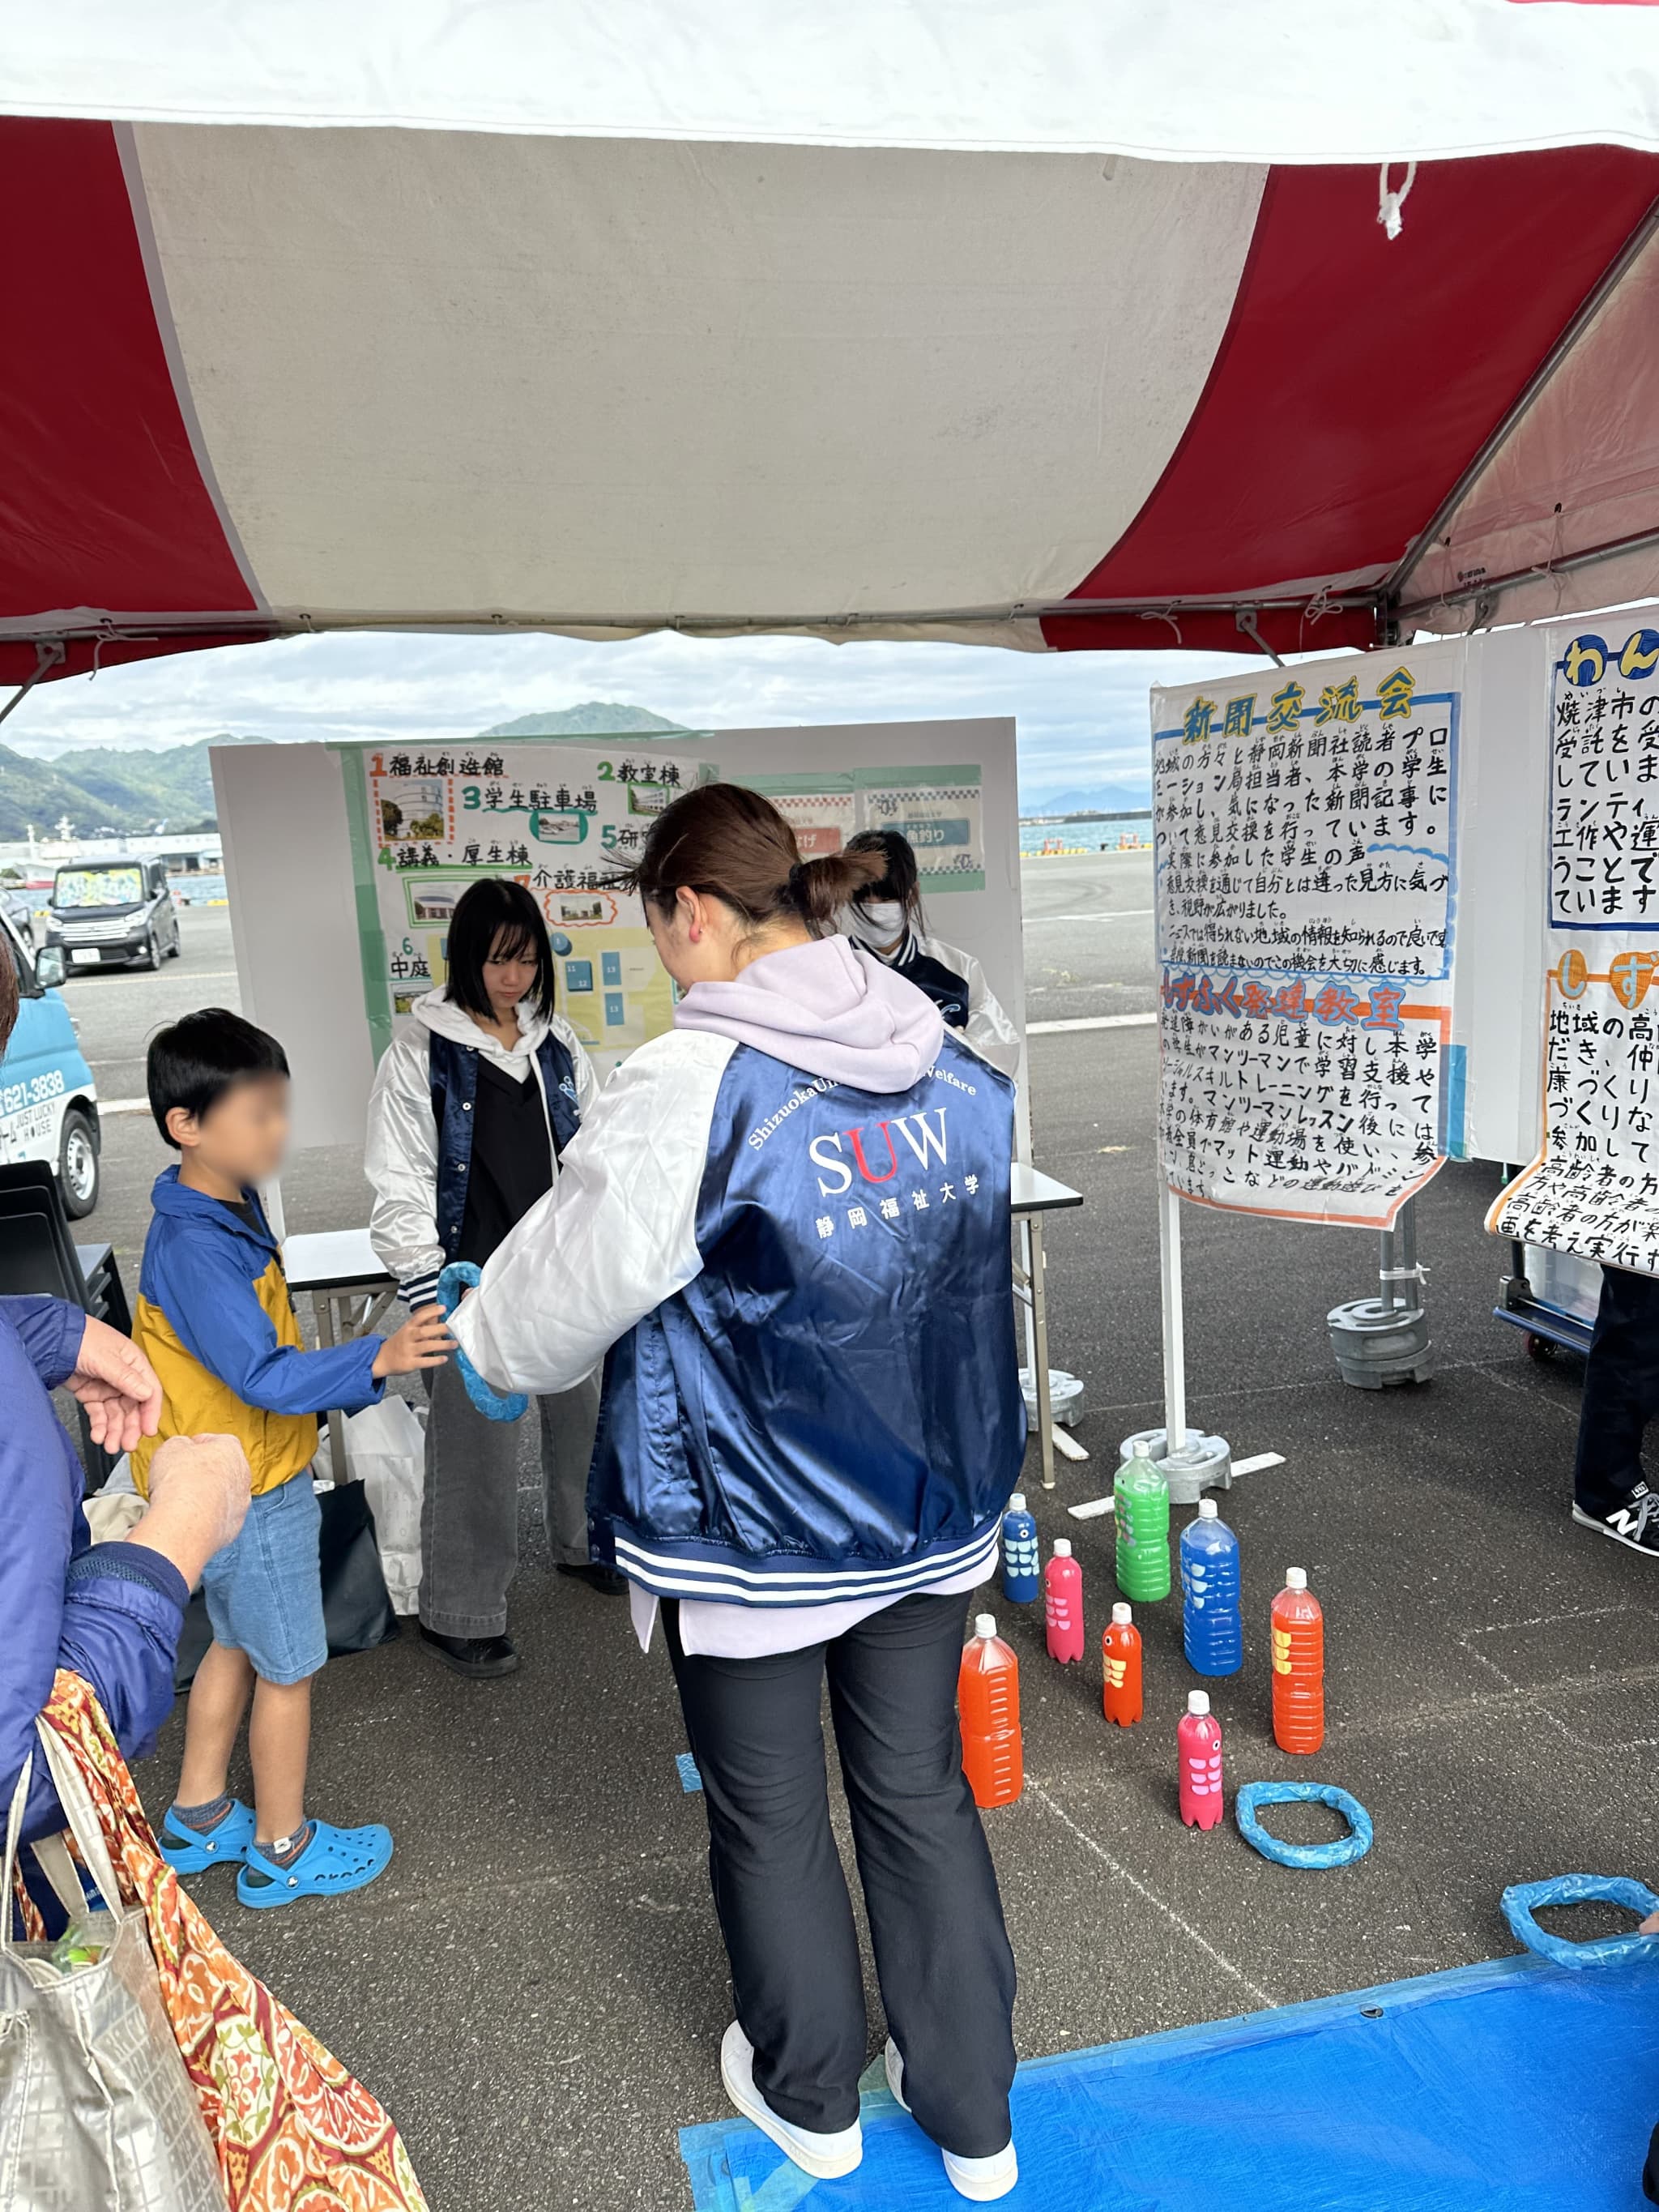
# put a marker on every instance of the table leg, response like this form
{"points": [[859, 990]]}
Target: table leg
{"points": [[1037, 1270], [322, 1305]]}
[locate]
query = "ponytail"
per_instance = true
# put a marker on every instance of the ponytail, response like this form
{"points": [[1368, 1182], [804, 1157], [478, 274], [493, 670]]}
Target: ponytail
{"points": [[728, 843]]}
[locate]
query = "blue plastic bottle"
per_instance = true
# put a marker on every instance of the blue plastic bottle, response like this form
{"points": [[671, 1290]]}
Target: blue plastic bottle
{"points": [[1212, 1628], [1022, 1579]]}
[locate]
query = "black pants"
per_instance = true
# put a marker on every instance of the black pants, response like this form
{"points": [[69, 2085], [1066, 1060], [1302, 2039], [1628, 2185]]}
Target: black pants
{"points": [[1621, 1390], [942, 1955], [1651, 2171]]}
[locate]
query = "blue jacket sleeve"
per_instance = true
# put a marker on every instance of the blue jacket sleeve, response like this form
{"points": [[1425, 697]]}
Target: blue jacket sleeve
{"points": [[50, 1331], [206, 1295], [110, 1613]]}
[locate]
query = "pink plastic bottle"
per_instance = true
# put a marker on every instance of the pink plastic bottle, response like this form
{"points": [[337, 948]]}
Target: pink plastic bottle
{"points": [[1062, 1598], [1198, 1743]]}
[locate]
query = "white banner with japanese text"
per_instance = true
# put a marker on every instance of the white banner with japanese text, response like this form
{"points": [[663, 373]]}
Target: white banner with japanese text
{"points": [[1306, 828], [1593, 1188]]}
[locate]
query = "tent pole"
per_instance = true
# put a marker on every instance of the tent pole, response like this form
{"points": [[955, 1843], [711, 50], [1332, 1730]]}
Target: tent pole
{"points": [[1175, 1333]]}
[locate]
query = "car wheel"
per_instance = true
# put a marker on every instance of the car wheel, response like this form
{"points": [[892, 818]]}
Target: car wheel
{"points": [[152, 954], [77, 1164]]}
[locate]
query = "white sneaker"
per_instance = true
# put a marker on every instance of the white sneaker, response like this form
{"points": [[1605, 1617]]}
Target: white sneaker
{"points": [[981, 2179], [825, 2157]]}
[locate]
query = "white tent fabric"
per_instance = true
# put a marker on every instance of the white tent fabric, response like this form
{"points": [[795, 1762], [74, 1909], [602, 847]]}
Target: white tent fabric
{"points": [[1262, 81]]}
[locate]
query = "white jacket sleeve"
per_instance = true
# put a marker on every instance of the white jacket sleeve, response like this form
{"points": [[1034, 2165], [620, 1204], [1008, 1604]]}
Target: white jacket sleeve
{"points": [[616, 1235], [400, 1158], [588, 1084], [989, 1030]]}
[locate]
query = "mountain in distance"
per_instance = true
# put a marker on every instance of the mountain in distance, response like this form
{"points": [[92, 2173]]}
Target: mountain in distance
{"points": [[595, 718], [1087, 798], [108, 787], [128, 789]]}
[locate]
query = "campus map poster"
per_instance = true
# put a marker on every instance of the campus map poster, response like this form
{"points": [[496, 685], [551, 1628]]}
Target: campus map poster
{"points": [[938, 809], [427, 821], [1306, 878], [1593, 1188]]}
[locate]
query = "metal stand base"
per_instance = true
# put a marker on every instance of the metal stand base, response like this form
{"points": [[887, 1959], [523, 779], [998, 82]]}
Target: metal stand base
{"points": [[1377, 1344], [1383, 1340], [1202, 1463]]}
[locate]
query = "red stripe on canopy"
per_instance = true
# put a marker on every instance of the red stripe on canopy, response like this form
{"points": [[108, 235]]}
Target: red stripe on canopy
{"points": [[1359, 375], [101, 502]]}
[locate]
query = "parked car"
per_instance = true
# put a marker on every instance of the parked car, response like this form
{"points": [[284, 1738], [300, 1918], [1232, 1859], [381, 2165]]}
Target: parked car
{"points": [[48, 1100], [18, 907], [113, 913]]}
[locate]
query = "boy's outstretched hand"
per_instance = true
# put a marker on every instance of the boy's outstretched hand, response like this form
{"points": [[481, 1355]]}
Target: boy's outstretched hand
{"points": [[424, 1341]]}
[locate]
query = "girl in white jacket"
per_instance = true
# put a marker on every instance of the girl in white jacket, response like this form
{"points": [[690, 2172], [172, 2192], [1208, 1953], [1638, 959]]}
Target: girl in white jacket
{"points": [[887, 920], [473, 1107]]}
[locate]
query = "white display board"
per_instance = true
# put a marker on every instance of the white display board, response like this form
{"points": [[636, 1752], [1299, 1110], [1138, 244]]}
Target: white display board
{"points": [[1594, 1187], [1307, 853], [300, 915]]}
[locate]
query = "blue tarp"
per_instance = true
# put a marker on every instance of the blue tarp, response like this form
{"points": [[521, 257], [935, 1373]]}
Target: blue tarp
{"points": [[1514, 2087]]}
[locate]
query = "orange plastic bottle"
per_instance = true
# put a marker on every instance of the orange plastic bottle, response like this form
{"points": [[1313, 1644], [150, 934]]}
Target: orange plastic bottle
{"points": [[1119, 1653], [1298, 1645], [987, 1705]]}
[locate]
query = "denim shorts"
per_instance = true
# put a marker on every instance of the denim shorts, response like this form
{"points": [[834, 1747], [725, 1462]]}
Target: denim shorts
{"points": [[264, 1590]]}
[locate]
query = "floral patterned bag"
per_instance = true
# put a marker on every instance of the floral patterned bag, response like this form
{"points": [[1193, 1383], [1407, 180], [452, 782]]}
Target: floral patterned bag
{"points": [[292, 2128]]}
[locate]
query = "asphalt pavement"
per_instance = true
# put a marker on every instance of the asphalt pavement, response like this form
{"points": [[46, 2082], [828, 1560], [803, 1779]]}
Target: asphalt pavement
{"points": [[536, 1987]]}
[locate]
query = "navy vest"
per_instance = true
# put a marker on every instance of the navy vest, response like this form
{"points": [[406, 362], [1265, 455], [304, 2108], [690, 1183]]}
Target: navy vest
{"points": [[452, 1072]]}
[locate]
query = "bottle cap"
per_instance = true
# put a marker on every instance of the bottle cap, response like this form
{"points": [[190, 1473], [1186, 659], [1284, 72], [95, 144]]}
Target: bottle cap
{"points": [[985, 1624], [1296, 1578], [1122, 1615], [1141, 1449], [1062, 1547], [1198, 1701], [1207, 1508], [1016, 1503]]}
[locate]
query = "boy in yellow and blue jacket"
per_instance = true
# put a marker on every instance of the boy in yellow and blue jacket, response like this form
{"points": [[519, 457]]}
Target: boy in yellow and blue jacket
{"points": [[215, 1321]]}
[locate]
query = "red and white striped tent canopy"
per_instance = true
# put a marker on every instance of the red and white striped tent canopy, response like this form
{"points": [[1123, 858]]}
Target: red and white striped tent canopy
{"points": [[1036, 324]]}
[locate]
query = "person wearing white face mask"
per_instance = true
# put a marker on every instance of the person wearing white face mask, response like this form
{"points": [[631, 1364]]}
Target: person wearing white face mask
{"points": [[888, 921]]}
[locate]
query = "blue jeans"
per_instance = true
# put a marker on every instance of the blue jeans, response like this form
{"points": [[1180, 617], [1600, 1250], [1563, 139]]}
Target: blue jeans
{"points": [[264, 1590]]}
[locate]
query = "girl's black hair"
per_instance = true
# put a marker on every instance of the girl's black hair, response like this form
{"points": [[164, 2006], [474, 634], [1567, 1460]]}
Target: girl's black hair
{"points": [[901, 883], [490, 912]]}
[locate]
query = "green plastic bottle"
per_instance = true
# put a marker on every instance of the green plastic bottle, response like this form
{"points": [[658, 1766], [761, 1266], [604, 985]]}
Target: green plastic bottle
{"points": [[1142, 1511]]}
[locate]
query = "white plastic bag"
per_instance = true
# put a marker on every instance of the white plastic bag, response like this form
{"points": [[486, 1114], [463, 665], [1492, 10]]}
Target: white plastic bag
{"points": [[385, 1448]]}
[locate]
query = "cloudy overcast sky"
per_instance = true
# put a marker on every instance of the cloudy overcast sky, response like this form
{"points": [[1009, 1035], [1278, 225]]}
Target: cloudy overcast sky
{"points": [[1082, 716]]}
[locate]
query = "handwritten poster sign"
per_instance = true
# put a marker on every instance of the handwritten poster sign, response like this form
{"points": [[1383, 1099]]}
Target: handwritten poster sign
{"points": [[1593, 1188], [561, 820], [1307, 831]]}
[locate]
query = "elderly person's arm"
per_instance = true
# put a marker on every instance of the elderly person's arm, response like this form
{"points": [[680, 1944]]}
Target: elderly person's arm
{"points": [[110, 1612]]}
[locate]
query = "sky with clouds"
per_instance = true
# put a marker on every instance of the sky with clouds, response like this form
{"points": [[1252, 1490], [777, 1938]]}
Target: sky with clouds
{"points": [[1082, 716]]}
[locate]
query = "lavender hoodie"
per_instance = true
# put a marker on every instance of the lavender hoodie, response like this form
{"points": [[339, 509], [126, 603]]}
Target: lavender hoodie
{"points": [[828, 1007]]}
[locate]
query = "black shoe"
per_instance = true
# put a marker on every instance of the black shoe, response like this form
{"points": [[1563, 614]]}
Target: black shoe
{"points": [[1635, 1523], [605, 1580], [477, 1656]]}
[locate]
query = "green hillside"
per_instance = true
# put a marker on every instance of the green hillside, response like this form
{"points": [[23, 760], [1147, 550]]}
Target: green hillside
{"points": [[130, 792]]}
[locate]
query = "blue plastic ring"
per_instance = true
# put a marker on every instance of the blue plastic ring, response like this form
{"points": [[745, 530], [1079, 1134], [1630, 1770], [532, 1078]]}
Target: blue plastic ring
{"points": [[1524, 1899], [458, 1277], [1342, 1852]]}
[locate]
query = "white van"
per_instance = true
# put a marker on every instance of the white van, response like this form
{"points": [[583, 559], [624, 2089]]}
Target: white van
{"points": [[48, 1100]]}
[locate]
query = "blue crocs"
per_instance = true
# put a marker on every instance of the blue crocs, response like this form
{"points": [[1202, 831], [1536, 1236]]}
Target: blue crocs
{"points": [[336, 1860], [188, 1851]]}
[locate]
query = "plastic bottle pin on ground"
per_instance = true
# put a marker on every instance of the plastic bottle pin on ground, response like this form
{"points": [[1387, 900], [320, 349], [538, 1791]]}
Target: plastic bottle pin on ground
{"points": [[987, 1707], [1211, 1626], [1120, 1666], [1198, 1747], [1299, 1648], [1142, 1515], [1062, 1589], [1021, 1582]]}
